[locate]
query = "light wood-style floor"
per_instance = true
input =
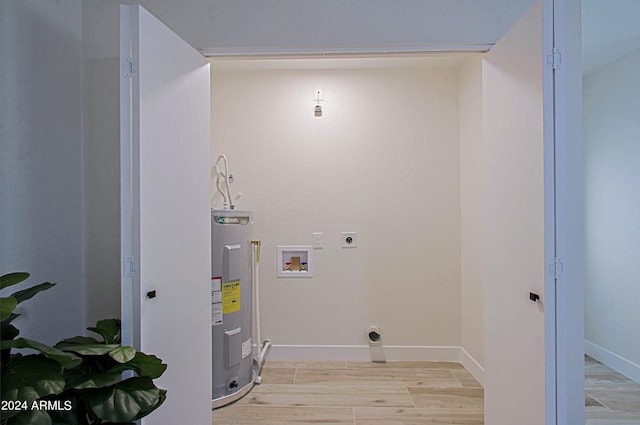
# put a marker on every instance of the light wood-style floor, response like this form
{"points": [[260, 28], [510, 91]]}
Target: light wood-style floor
{"points": [[399, 393], [359, 393], [611, 398]]}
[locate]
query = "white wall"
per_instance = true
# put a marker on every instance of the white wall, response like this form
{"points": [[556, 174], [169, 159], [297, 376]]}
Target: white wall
{"points": [[383, 161], [101, 155], [471, 215], [60, 160], [41, 161], [612, 213]]}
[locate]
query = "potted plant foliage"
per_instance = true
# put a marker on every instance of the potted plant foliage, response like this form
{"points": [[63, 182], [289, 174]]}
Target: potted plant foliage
{"points": [[79, 381]]}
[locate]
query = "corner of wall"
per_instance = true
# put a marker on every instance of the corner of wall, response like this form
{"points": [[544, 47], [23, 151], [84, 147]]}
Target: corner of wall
{"points": [[471, 221]]}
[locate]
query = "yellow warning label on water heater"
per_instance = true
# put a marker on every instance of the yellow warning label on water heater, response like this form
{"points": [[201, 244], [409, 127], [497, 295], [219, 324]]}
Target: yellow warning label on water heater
{"points": [[231, 297]]}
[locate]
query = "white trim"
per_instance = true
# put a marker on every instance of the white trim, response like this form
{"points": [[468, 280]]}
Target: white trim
{"points": [[345, 51], [469, 363], [363, 353], [614, 361], [569, 221], [129, 178], [550, 254]]}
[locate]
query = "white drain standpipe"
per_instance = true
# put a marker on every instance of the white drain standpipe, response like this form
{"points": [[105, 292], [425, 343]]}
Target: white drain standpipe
{"points": [[266, 344]]}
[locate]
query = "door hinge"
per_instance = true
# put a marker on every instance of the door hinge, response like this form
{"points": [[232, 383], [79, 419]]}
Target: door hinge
{"points": [[555, 58], [129, 266], [128, 67], [557, 268]]}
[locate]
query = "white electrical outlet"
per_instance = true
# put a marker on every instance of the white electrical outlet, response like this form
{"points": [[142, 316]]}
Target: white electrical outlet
{"points": [[349, 239], [317, 240]]}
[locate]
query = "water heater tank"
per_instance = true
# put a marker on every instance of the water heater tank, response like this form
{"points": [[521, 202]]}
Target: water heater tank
{"points": [[231, 305]]}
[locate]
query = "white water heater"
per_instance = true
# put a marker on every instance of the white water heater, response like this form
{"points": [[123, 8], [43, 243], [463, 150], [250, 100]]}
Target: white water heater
{"points": [[231, 305]]}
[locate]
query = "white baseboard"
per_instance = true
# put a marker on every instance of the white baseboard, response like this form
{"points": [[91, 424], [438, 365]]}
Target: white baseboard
{"points": [[614, 361], [472, 366], [363, 353]]}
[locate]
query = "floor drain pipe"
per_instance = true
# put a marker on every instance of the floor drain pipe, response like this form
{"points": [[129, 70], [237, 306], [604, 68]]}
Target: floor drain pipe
{"points": [[374, 336]]}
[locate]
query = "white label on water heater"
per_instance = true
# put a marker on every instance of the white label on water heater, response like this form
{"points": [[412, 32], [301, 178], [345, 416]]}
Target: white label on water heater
{"points": [[216, 297], [216, 301], [216, 284], [246, 348], [216, 314]]}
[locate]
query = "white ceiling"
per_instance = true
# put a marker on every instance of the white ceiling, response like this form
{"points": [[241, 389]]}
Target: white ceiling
{"points": [[313, 26], [610, 30]]}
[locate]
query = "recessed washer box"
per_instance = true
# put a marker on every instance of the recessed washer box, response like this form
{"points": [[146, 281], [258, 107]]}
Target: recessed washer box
{"points": [[295, 261]]}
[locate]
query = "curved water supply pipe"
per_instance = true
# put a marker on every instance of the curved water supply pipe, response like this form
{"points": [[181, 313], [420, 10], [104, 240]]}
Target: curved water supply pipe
{"points": [[220, 175]]}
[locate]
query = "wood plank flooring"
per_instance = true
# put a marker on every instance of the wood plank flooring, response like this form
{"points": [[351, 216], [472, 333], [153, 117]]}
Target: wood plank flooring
{"points": [[401, 393], [359, 393], [611, 398]]}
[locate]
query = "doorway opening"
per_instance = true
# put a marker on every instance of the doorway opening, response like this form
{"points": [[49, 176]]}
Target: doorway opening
{"points": [[611, 60]]}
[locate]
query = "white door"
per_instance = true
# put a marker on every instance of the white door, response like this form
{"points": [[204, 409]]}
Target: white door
{"points": [[165, 172], [519, 231]]}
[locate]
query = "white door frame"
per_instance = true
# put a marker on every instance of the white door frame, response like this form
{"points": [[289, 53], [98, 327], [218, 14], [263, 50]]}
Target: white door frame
{"points": [[568, 335], [564, 322], [129, 190], [550, 300]]}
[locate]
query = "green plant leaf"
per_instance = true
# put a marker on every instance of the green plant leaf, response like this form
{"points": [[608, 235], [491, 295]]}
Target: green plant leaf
{"points": [[8, 320], [143, 365], [126, 400], [66, 360], [95, 380], [12, 279], [94, 377], [109, 329], [75, 416], [28, 378], [9, 332], [30, 417], [123, 354], [87, 349], [147, 411], [148, 365], [28, 293], [80, 340], [7, 305]]}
